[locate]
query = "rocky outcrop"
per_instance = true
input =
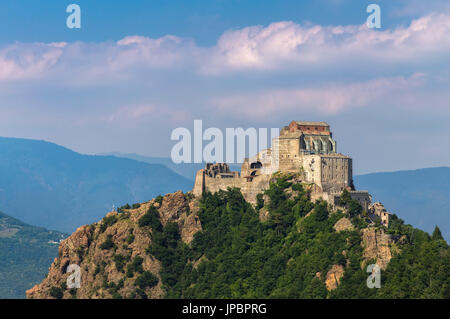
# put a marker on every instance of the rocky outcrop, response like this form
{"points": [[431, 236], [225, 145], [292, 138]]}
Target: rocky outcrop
{"points": [[113, 253], [377, 246], [263, 214], [189, 223], [334, 276], [176, 208], [343, 224]]}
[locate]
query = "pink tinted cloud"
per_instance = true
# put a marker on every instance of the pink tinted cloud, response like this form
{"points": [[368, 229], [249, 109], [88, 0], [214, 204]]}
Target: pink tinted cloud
{"points": [[286, 44], [278, 46], [21, 61], [326, 99], [143, 112]]}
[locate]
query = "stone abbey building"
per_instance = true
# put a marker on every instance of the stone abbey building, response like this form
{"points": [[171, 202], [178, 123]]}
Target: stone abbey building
{"points": [[307, 148]]}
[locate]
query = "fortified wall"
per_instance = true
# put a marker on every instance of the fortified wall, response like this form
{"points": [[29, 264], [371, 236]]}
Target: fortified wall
{"points": [[306, 148]]}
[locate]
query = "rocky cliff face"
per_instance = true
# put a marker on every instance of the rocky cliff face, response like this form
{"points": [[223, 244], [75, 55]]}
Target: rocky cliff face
{"points": [[113, 254], [377, 246], [334, 276]]}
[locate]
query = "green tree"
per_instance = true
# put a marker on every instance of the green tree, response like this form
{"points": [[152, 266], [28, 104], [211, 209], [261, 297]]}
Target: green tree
{"points": [[437, 235]]}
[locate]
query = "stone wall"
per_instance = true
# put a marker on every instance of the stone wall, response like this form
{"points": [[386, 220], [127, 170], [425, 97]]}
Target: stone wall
{"points": [[199, 184], [311, 165], [249, 188], [289, 154], [335, 173], [332, 173], [363, 197]]}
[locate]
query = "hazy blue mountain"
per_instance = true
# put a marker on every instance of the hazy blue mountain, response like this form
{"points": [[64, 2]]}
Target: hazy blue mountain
{"points": [[187, 170], [26, 253], [420, 197], [47, 185]]}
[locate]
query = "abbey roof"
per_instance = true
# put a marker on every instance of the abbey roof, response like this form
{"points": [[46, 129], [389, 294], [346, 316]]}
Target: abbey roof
{"points": [[312, 123]]}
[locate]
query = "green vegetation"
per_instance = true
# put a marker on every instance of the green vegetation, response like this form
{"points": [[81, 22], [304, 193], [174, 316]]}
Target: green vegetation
{"points": [[108, 243], [289, 255], [135, 266], [26, 253], [159, 199], [56, 292], [171, 252], [130, 239], [100, 268], [150, 218], [107, 222], [259, 201], [121, 209], [120, 261], [146, 280], [352, 206]]}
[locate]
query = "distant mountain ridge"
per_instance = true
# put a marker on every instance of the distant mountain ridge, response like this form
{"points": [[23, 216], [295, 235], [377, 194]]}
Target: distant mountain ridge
{"points": [[187, 170], [26, 253], [49, 185], [422, 196]]}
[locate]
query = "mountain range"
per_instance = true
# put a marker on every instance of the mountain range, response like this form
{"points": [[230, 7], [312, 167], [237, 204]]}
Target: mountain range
{"points": [[420, 197], [187, 170], [48, 185]]}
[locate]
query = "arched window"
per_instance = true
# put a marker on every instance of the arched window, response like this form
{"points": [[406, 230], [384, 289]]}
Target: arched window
{"points": [[302, 143], [318, 145], [257, 164]]}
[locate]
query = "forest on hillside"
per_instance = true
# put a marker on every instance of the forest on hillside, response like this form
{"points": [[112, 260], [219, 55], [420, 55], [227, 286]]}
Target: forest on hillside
{"points": [[242, 257]]}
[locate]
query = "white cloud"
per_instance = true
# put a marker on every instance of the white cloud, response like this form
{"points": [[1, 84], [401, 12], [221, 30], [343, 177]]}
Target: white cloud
{"points": [[277, 47], [289, 45], [138, 113], [327, 99], [129, 93], [20, 61]]}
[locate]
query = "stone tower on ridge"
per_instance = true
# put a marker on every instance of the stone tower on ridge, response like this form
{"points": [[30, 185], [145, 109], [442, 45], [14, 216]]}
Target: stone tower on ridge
{"points": [[306, 148]]}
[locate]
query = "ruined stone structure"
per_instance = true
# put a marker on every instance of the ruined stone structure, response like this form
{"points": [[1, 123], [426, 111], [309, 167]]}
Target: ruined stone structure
{"points": [[363, 197], [306, 148], [377, 209]]}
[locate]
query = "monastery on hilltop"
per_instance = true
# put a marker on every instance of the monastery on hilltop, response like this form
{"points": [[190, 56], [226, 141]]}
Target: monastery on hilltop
{"points": [[306, 148]]}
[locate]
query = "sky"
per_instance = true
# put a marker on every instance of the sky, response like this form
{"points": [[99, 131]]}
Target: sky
{"points": [[136, 70]]}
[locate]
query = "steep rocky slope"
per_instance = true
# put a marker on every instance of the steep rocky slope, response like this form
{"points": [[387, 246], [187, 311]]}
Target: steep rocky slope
{"points": [[112, 254]]}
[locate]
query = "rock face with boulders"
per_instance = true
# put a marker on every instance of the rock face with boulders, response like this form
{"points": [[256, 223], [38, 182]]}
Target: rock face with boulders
{"points": [[334, 276], [377, 245], [343, 224], [112, 254]]}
